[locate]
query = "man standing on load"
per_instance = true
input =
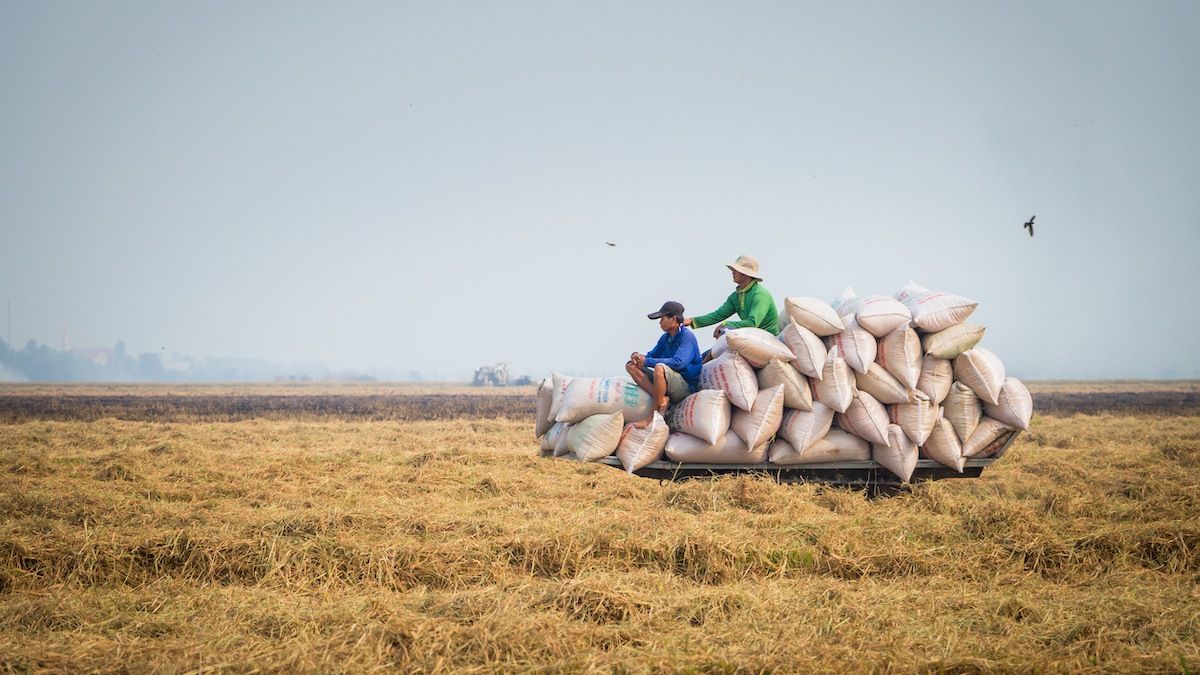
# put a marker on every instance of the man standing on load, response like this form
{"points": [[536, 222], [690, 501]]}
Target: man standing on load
{"points": [[750, 301], [671, 370]]}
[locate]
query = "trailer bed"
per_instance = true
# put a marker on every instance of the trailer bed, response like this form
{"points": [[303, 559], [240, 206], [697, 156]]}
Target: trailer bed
{"points": [[866, 474]]}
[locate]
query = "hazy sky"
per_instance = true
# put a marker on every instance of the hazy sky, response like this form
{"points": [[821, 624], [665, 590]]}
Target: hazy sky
{"points": [[430, 185]]}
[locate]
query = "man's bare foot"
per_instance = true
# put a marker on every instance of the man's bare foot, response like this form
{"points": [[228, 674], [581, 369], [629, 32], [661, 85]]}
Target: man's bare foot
{"points": [[663, 404], [642, 424]]}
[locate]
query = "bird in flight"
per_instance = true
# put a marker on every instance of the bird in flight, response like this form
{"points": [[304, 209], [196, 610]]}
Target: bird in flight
{"points": [[1029, 224], [610, 243]]}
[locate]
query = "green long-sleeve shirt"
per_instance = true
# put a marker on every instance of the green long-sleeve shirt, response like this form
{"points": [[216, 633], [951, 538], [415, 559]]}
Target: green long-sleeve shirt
{"points": [[754, 307]]}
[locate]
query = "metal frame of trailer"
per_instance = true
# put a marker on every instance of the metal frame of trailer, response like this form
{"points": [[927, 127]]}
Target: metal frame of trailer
{"points": [[865, 474]]}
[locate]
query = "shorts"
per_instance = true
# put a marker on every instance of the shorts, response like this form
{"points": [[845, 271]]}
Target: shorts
{"points": [[677, 387]]}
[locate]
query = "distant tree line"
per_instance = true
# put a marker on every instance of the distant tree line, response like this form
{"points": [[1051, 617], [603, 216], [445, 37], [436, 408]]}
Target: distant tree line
{"points": [[40, 363]]}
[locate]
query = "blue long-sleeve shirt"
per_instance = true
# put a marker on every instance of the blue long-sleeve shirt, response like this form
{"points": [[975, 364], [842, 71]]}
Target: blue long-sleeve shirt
{"points": [[680, 353]]}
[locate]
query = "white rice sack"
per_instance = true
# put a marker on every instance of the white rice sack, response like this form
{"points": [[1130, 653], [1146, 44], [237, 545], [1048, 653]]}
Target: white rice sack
{"points": [[560, 445], [808, 351], [552, 436], [879, 383], [824, 450], [796, 392], [733, 375], [545, 398], [802, 429], [640, 447], [560, 383], [880, 315], [936, 376], [899, 455], [982, 371], [1014, 406], [760, 423], [949, 343], [943, 446], [757, 346], [933, 311], [729, 450], [962, 409], [984, 440], [596, 437], [845, 303], [900, 354], [814, 315], [916, 419], [856, 345], [587, 396], [719, 347], [836, 386], [866, 418], [704, 414], [849, 445]]}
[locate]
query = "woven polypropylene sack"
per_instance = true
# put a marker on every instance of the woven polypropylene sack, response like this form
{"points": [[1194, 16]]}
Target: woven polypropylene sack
{"points": [[866, 418], [949, 343], [983, 439], [802, 429], [880, 315], [733, 375], [545, 398], [596, 437], [933, 311], [849, 445], [553, 434], [560, 384], [982, 371], [728, 450], [935, 379], [915, 418], [704, 414], [1014, 406], [899, 455], [879, 383], [808, 350], [900, 354], [642, 446], [757, 346], [560, 446], [836, 386], [587, 396], [963, 410], [796, 391], [813, 314], [943, 446], [857, 346], [757, 425]]}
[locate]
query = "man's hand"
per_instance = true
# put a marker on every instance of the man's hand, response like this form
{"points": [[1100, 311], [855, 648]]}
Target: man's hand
{"points": [[719, 330], [687, 321]]}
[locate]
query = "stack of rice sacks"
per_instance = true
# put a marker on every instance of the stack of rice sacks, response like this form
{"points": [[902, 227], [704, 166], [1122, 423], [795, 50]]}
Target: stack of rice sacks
{"points": [[890, 379]]}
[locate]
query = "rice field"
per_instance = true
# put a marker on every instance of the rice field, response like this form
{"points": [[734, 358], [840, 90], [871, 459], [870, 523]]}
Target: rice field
{"points": [[310, 538]]}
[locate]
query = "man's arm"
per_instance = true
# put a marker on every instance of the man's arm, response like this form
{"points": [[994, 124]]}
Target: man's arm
{"points": [[723, 312], [686, 351], [756, 313], [660, 347]]}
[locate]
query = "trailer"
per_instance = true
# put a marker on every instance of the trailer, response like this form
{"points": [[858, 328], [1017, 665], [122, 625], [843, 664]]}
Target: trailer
{"points": [[867, 474]]}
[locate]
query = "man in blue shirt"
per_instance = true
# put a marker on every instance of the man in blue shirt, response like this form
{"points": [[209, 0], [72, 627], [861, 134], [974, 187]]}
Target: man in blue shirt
{"points": [[671, 370]]}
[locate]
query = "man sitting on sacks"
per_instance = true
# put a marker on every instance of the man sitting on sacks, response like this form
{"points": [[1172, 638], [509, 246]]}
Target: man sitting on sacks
{"points": [[671, 370], [750, 301]]}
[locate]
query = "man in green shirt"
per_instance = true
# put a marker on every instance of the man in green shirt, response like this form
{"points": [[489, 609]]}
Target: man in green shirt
{"points": [[751, 302]]}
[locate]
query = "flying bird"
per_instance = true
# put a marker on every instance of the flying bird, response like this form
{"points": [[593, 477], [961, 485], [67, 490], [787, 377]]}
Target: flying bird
{"points": [[610, 243], [1029, 224]]}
